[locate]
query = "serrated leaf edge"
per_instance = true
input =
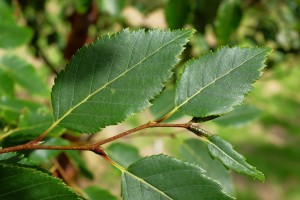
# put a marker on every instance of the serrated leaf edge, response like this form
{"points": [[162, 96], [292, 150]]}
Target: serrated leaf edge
{"points": [[260, 176], [33, 170], [264, 49], [185, 145], [188, 32], [177, 160]]}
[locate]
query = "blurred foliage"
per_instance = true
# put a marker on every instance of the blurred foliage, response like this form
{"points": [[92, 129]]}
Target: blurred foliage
{"points": [[38, 37]]}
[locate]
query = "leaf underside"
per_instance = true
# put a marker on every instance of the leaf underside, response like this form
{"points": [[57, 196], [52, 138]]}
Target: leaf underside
{"points": [[163, 177], [115, 77], [222, 150], [214, 83]]}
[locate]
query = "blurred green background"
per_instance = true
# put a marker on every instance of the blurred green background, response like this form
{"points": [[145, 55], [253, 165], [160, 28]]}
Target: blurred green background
{"points": [[37, 38]]}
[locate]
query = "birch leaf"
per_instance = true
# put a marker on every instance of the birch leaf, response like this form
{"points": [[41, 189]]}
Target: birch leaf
{"points": [[224, 151], [214, 83], [163, 177], [115, 77]]}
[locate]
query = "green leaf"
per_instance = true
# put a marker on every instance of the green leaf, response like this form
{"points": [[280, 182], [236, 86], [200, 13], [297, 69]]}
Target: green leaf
{"points": [[240, 116], [194, 151], [6, 85], [115, 77], [24, 74], [214, 83], [12, 35], [112, 7], [205, 13], [6, 12], [96, 193], [31, 124], [27, 183], [81, 6], [124, 154], [163, 104], [222, 150], [163, 177], [11, 109], [15, 158], [228, 19], [177, 13], [45, 156]]}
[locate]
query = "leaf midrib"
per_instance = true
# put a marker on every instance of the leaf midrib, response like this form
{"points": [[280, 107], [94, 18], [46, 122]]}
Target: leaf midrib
{"points": [[250, 169], [212, 82], [151, 186], [113, 80]]}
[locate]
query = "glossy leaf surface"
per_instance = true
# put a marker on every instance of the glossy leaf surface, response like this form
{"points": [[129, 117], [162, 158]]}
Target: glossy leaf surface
{"points": [[115, 77], [214, 83], [163, 177]]}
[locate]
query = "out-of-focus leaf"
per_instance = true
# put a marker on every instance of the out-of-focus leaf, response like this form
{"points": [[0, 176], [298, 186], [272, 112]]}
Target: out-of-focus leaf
{"points": [[6, 13], [163, 104], [24, 74], [32, 124], [96, 193], [113, 7], [124, 154], [240, 116], [82, 5], [20, 182], [45, 156], [12, 35], [80, 163], [6, 85], [223, 151], [163, 177], [228, 19], [194, 151], [214, 83], [115, 77], [11, 109], [15, 158], [205, 13], [177, 13]]}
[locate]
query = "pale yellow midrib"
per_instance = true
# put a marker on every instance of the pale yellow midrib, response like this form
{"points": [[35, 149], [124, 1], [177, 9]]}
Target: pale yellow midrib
{"points": [[192, 96], [251, 168], [105, 85], [146, 183]]}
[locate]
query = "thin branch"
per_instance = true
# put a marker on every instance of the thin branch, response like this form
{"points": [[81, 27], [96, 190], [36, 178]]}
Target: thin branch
{"points": [[144, 126], [169, 114], [96, 147]]}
